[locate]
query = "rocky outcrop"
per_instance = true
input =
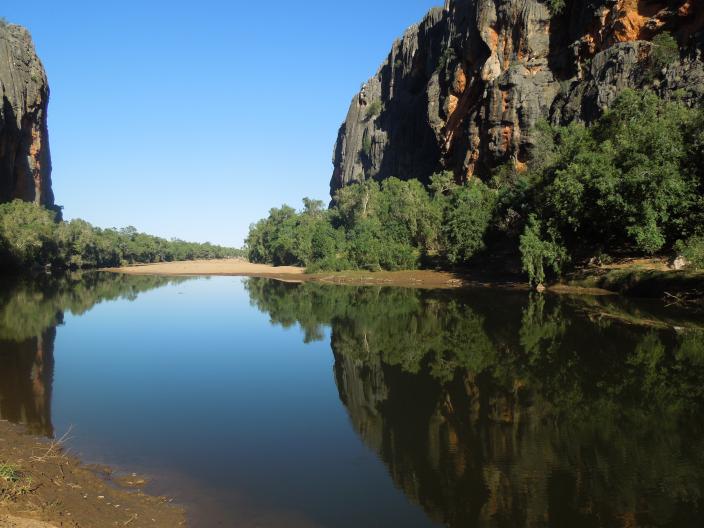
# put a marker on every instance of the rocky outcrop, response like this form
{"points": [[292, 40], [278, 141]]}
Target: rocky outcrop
{"points": [[25, 161], [463, 89]]}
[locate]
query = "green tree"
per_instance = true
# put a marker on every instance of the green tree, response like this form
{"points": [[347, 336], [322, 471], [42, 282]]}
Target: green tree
{"points": [[28, 234], [538, 254], [468, 214]]}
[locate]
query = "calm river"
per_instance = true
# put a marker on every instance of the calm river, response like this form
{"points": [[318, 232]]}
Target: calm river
{"points": [[260, 403]]}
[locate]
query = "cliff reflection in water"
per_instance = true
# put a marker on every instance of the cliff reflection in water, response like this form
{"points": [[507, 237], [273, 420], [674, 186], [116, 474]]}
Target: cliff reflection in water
{"points": [[30, 311], [499, 409]]}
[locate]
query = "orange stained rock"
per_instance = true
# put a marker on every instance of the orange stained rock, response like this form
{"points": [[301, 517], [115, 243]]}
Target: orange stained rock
{"points": [[492, 38], [451, 104], [460, 109], [459, 84], [35, 150], [472, 157], [506, 137], [628, 21]]}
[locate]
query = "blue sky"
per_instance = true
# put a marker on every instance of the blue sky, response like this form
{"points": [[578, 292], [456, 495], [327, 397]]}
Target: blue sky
{"points": [[192, 119]]}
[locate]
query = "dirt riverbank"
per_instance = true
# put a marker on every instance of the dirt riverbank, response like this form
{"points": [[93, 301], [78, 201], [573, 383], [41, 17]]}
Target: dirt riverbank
{"points": [[233, 267], [636, 278], [41, 486]]}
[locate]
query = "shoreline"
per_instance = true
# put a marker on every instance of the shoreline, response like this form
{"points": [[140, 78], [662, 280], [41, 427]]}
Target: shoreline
{"points": [[429, 279], [43, 486], [423, 279], [635, 280]]}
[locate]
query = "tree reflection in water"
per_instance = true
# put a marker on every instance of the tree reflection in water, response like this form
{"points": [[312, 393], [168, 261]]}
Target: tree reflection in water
{"points": [[30, 311], [502, 409]]}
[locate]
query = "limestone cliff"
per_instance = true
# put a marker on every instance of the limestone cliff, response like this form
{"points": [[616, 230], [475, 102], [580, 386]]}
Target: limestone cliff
{"points": [[462, 90], [25, 161]]}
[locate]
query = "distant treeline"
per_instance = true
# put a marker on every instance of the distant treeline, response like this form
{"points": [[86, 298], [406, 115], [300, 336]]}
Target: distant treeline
{"points": [[31, 237], [630, 184]]}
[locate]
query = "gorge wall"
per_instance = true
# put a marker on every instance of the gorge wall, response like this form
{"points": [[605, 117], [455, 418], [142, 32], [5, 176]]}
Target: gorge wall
{"points": [[462, 89], [25, 161]]}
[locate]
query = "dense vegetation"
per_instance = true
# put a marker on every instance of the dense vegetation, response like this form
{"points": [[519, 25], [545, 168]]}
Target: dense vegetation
{"points": [[630, 184], [31, 237]]}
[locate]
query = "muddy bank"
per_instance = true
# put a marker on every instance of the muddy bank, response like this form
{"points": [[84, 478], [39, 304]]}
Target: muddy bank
{"points": [[41, 486]]}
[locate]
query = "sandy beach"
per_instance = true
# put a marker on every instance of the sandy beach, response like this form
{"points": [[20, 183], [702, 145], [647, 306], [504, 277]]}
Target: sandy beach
{"points": [[232, 267], [237, 267]]}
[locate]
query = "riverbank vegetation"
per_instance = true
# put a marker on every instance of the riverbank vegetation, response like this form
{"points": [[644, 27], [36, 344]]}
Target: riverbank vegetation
{"points": [[32, 237], [630, 184]]}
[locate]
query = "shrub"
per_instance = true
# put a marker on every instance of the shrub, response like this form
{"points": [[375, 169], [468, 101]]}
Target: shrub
{"points": [[374, 110], [664, 51], [693, 250], [538, 254], [556, 6]]}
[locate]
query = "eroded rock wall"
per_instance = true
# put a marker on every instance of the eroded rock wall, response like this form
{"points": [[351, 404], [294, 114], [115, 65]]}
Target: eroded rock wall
{"points": [[463, 89], [25, 160]]}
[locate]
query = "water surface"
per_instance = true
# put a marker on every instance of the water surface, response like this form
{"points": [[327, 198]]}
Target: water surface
{"points": [[261, 403]]}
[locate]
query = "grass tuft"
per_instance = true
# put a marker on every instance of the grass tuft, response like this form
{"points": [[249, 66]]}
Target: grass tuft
{"points": [[13, 483]]}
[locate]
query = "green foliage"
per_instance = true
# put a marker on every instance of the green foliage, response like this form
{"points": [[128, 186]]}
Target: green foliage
{"points": [[665, 50], [31, 237], [374, 226], [287, 237], [9, 473], [374, 109], [28, 234], [13, 483], [448, 56], [442, 183], [556, 6], [693, 250], [631, 182], [538, 254], [466, 219]]}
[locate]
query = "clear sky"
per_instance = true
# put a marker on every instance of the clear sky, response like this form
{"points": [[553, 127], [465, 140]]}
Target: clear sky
{"points": [[192, 119]]}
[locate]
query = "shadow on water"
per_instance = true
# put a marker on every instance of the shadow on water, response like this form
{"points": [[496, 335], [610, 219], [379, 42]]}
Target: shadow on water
{"points": [[30, 311], [499, 409]]}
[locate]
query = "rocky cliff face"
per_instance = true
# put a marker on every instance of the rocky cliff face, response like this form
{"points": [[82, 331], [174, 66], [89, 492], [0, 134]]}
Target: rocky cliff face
{"points": [[25, 161], [462, 90]]}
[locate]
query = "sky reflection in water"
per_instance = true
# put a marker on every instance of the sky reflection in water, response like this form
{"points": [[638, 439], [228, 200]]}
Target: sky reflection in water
{"points": [[263, 403]]}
